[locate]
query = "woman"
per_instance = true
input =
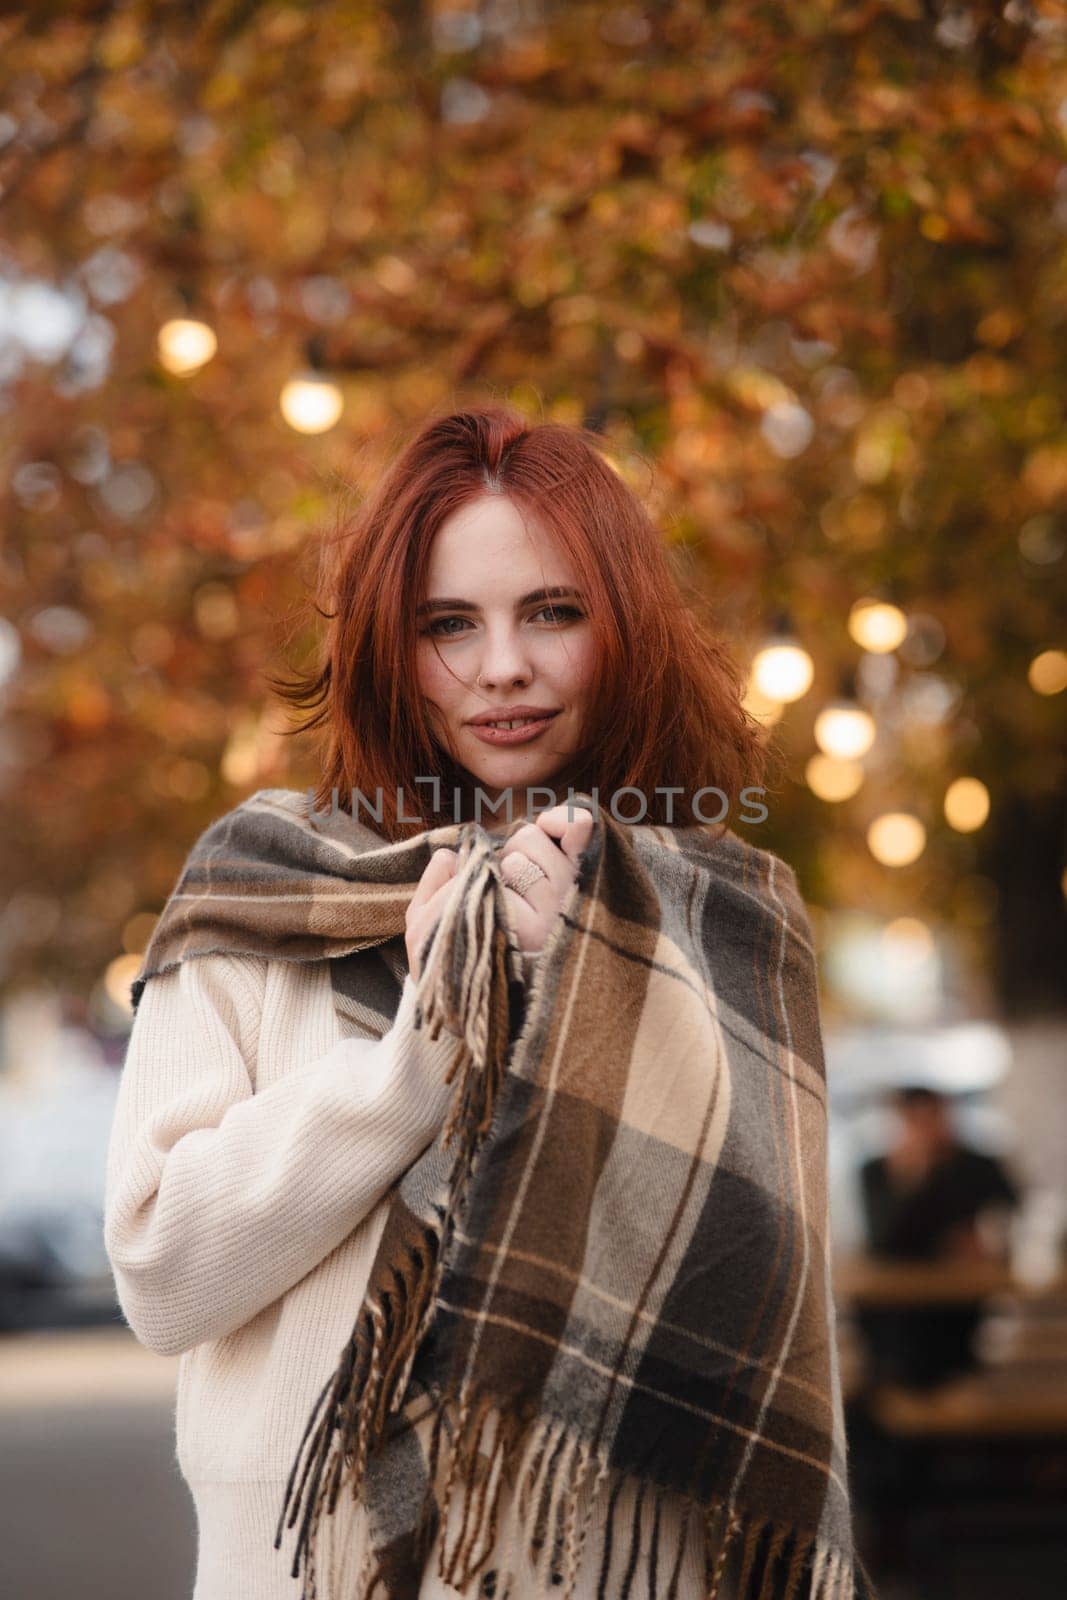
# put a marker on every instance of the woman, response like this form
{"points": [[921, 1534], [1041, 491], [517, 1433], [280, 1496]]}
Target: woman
{"points": [[299, 1139]]}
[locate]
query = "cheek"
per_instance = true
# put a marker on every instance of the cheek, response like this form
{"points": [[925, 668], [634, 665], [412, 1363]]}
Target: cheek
{"points": [[435, 682], [574, 664]]}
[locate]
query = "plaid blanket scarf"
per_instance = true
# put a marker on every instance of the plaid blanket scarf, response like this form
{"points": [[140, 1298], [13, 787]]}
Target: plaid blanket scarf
{"points": [[612, 1265]]}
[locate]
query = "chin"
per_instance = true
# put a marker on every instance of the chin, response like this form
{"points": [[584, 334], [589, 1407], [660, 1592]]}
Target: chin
{"points": [[517, 779], [508, 773]]}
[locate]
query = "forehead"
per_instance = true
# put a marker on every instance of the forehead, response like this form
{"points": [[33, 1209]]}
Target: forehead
{"points": [[490, 543]]}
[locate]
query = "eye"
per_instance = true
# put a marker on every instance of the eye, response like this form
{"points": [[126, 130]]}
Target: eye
{"points": [[561, 613], [437, 627]]}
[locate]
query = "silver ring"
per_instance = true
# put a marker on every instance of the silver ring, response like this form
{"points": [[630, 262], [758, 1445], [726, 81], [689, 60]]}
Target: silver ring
{"points": [[525, 877]]}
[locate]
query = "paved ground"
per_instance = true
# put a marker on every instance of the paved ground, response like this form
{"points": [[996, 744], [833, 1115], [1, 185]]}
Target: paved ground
{"points": [[92, 1505]]}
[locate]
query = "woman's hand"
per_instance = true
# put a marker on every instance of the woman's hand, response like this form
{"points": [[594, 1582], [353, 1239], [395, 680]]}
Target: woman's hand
{"points": [[553, 842], [427, 903]]}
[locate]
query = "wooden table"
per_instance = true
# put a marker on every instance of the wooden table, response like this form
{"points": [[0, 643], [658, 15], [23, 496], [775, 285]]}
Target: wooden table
{"points": [[865, 1280], [987, 1404]]}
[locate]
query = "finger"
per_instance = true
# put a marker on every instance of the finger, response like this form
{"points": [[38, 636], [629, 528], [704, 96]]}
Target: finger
{"points": [[533, 843], [557, 819], [439, 869], [543, 894], [570, 825], [527, 923], [434, 906], [425, 919]]}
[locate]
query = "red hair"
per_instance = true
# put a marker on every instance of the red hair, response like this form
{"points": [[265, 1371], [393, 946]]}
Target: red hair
{"points": [[666, 696]]}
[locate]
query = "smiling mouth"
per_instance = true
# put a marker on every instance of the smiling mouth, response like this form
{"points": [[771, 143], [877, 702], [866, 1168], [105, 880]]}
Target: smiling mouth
{"points": [[512, 730], [517, 719], [517, 722]]}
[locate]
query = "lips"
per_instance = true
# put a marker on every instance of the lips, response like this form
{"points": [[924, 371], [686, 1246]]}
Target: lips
{"points": [[528, 728], [515, 722], [516, 713]]}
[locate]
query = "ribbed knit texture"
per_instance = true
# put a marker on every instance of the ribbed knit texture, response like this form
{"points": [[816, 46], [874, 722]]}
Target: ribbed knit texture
{"points": [[251, 1155]]}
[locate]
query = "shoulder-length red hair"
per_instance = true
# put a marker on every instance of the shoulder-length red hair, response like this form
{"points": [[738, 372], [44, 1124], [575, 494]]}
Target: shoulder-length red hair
{"points": [[666, 696]]}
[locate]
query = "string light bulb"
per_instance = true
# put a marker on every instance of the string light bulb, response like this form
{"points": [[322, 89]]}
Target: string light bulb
{"points": [[842, 728], [877, 625], [311, 402], [832, 779], [966, 804], [782, 669], [896, 839], [185, 344], [1048, 672]]}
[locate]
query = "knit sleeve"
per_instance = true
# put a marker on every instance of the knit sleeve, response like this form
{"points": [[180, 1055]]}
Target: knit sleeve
{"points": [[218, 1199]]}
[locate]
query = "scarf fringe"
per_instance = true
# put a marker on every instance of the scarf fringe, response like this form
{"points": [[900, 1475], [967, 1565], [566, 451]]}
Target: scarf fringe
{"points": [[556, 1481]]}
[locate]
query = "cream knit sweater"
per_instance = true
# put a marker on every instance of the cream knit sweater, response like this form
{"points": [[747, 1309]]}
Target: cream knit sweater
{"points": [[251, 1158]]}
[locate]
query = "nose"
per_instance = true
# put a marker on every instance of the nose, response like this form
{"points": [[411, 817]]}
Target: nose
{"points": [[505, 659]]}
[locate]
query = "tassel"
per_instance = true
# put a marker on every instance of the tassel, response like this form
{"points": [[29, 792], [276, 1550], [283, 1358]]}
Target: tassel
{"points": [[533, 1520], [635, 1541], [562, 1516], [751, 1540], [464, 1465], [570, 1522], [318, 1449], [817, 1591], [801, 1554], [544, 1521], [513, 1522], [683, 1535], [730, 1524], [768, 1589], [485, 1521], [453, 1467], [653, 1547], [831, 1576], [598, 1481], [323, 1392], [606, 1541]]}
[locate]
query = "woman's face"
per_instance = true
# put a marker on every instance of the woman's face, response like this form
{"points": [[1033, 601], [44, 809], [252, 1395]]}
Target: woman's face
{"points": [[484, 615]]}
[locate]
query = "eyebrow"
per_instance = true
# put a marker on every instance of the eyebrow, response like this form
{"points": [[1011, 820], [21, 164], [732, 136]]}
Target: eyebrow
{"points": [[556, 593]]}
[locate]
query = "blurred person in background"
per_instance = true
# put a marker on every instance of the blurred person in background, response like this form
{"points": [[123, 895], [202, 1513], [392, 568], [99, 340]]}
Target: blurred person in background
{"points": [[922, 1201]]}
